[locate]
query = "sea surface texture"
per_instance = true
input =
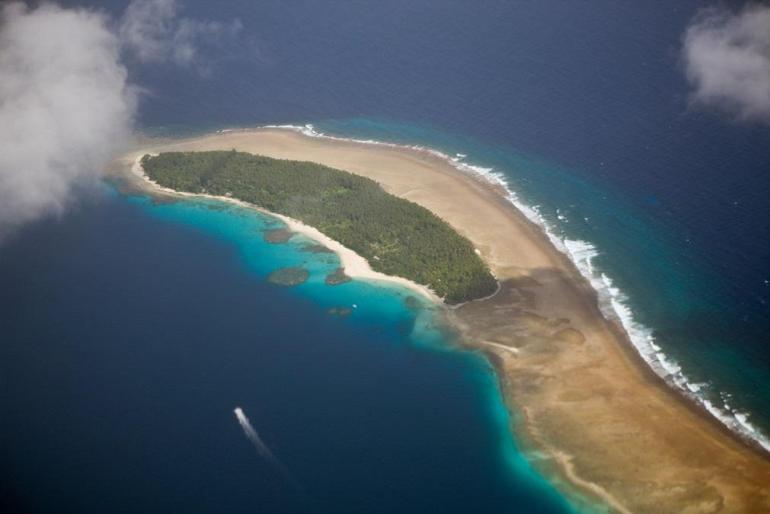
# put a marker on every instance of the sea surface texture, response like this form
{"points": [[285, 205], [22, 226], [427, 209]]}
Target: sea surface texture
{"points": [[132, 330]]}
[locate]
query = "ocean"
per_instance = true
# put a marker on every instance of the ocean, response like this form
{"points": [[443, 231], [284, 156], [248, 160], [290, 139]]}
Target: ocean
{"points": [[134, 329]]}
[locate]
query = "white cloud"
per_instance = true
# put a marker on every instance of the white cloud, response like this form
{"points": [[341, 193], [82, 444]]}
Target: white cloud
{"points": [[65, 107], [154, 32], [66, 104], [727, 60]]}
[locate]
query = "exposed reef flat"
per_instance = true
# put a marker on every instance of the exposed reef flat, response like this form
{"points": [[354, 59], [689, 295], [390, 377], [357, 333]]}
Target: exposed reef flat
{"points": [[599, 418]]}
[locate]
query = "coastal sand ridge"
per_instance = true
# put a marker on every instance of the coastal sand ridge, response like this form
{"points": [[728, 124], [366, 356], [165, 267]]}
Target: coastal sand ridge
{"points": [[607, 424]]}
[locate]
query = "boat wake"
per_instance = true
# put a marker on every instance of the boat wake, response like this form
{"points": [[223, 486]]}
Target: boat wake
{"points": [[613, 302], [262, 448]]}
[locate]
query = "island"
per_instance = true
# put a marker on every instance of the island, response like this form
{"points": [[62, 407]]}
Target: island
{"points": [[588, 409], [396, 236]]}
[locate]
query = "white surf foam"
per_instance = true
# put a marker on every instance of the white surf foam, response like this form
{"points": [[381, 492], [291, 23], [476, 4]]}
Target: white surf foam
{"points": [[613, 303]]}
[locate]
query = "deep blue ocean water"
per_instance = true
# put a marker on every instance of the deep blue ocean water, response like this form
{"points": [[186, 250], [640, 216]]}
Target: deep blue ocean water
{"points": [[135, 329]]}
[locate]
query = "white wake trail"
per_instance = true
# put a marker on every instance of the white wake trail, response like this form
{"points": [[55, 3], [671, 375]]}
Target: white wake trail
{"points": [[262, 448]]}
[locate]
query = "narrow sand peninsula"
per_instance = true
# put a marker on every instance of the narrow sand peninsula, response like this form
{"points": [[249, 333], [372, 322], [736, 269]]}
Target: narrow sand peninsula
{"points": [[602, 423]]}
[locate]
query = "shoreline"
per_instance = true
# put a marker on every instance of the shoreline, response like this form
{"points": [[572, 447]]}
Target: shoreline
{"points": [[540, 288]]}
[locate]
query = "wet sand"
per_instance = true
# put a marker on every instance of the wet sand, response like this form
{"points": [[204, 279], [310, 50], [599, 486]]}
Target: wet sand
{"points": [[595, 416]]}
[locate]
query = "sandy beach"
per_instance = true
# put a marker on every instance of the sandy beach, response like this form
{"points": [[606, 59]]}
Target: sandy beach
{"points": [[598, 419]]}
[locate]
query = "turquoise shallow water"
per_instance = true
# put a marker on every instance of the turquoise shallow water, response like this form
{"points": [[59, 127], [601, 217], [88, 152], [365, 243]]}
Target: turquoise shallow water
{"points": [[373, 304]]}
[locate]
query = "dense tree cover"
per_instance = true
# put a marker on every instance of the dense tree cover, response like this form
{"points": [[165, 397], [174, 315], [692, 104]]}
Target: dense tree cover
{"points": [[396, 236]]}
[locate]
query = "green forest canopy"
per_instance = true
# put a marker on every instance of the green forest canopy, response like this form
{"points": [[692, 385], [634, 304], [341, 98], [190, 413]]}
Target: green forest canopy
{"points": [[396, 236]]}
